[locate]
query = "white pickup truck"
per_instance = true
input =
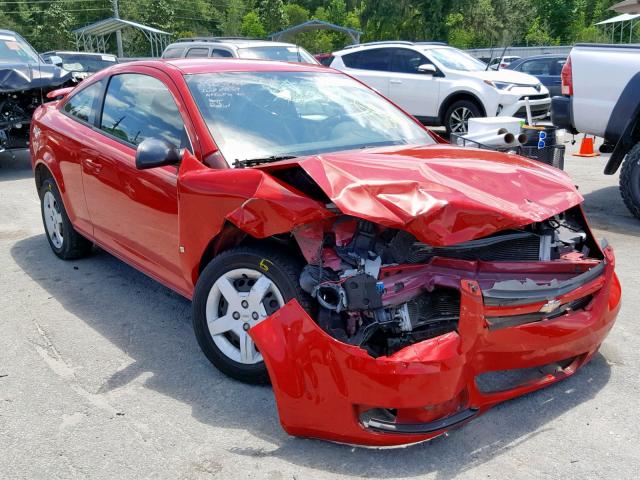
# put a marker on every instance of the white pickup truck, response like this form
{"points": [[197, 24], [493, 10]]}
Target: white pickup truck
{"points": [[601, 96]]}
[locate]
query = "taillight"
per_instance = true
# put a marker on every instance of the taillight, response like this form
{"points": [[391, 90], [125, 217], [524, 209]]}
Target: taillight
{"points": [[567, 78]]}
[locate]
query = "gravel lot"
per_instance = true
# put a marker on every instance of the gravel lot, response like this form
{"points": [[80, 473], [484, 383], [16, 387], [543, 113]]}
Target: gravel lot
{"points": [[101, 376]]}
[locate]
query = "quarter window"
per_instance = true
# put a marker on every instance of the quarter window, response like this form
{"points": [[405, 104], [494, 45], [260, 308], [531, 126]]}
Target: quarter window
{"points": [[83, 103], [139, 106]]}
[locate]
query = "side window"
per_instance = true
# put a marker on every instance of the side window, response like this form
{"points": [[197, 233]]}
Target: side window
{"points": [[404, 60], [173, 53], [375, 59], [197, 52], [221, 53], [82, 105], [139, 106], [538, 67]]}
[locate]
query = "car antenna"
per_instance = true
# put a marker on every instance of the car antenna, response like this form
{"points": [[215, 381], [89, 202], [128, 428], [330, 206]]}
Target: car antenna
{"points": [[490, 60]]}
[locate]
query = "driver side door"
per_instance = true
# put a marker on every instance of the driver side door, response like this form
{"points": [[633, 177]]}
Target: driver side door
{"points": [[135, 212]]}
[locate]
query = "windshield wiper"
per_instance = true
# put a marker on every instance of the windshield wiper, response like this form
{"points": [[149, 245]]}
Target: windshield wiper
{"points": [[249, 162]]}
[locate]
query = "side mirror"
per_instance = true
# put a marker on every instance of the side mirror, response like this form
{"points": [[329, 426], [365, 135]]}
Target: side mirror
{"points": [[428, 69], [55, 60], [152, 153]]}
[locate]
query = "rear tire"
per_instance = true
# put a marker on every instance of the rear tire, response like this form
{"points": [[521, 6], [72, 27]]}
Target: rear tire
{"points": [[63, 239], [457, 116], [225, 306], [630, 181]]}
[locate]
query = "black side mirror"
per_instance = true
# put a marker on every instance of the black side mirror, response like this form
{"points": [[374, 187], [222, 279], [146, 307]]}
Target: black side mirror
{"points": [[152, 153]]}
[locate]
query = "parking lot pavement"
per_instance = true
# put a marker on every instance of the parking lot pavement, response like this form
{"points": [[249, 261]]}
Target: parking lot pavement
{"points": [[101, 376]]}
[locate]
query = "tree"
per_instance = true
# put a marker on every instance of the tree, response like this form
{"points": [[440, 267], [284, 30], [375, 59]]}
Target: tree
{"points": [[231, 24], [272, 15], [252, 25]]}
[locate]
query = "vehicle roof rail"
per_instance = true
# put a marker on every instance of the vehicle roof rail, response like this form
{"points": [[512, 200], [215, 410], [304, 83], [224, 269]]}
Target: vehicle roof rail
{"points": [[382, 42], [215, 39], [433, 43]]}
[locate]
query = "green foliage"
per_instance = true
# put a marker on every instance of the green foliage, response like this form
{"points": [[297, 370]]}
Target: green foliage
{"points": [[252, 25], [272, 15], [462, 23]]}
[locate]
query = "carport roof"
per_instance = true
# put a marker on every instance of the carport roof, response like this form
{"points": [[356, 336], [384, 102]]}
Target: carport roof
{"points": [[625, 17], [110, 25]]}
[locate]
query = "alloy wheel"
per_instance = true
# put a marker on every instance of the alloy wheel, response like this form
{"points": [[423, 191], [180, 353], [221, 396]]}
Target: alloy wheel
{"points": [[459, 120]]}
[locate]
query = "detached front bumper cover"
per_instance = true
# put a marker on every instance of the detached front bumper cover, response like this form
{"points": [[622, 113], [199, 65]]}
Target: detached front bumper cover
{"points": [[331, 390]]}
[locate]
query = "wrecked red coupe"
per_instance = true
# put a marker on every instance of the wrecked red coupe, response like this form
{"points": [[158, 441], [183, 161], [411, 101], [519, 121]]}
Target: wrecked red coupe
{"points": [[388, 285]]}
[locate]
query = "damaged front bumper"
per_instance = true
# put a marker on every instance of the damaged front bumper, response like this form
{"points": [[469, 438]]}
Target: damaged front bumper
{"points": [[328, 389]]}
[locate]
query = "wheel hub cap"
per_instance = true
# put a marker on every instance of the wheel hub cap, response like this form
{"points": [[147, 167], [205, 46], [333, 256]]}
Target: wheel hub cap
{"points": [[238, 300]]}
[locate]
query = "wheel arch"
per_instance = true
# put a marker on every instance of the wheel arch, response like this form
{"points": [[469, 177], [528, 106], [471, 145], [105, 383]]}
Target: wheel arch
{"points": [[230, 237], [456, 96], [623, 127]]}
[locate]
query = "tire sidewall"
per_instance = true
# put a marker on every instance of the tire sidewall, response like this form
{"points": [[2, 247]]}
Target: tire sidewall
{"points": [[225, 262], [50, 186], [630, 181]]}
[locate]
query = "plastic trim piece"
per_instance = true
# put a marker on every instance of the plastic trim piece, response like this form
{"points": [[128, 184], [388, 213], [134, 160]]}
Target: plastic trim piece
{"points": [[500, 297], [421, 428]]}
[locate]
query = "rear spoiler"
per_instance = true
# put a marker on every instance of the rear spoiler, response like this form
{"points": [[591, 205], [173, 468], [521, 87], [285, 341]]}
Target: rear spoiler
{"points": [[59, 93]]}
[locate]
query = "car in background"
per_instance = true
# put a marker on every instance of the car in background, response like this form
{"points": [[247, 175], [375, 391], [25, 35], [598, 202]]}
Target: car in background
{"points": [[25, 81], [324, 58], [81, 64], [237, 47], [546, 68], [503, 62], [441, 85], [388, 285]]}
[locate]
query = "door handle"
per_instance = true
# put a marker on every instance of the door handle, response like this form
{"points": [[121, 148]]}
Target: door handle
{"points": [[396, 82], [92, 165]]}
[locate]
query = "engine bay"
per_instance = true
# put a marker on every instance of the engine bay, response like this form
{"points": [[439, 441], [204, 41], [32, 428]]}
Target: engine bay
{"points": [[381, 289]]}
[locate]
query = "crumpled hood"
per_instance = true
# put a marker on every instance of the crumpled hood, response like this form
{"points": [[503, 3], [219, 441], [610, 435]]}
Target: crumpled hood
{"points": [[442, 194], [24, 76]]}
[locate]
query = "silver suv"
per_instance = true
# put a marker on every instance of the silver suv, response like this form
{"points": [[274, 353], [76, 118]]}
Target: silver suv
{"points": [[237, 47]]}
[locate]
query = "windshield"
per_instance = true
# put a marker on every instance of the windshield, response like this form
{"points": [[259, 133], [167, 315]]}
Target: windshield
{"points": [[14, 49], [86, 63], [282, 53], [264, 114], [456, 59]]}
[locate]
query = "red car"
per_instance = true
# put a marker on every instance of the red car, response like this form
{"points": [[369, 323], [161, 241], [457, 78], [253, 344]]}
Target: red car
{"points": [[388, 285]]}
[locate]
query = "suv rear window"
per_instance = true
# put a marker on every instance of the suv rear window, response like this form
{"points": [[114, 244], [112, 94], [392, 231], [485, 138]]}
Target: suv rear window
{"points": [[173, 52], [375, 59], [198, 52]]}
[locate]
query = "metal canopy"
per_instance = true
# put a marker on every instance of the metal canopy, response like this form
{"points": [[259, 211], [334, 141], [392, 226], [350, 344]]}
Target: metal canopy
{"points": [[628, 6], [618, 24], [353, 34], [94, 37]]}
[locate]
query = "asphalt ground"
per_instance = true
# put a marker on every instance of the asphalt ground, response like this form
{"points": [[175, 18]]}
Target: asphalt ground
{"points": [[101, 377]]}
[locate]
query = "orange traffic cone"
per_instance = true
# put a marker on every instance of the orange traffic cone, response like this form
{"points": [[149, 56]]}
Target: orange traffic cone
{"points": [[586, 148]]}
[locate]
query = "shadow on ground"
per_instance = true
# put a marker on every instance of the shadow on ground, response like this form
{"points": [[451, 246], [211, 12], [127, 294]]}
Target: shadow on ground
{"points": [[153, 326], [606, 210], [15, 165]]}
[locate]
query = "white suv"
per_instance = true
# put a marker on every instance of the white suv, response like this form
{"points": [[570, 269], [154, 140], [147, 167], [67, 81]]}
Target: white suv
{"points": [[441, 85]]}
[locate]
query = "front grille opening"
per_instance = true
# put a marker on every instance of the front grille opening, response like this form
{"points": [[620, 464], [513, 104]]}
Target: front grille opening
{"points": [[497, 323], [503, 380]]}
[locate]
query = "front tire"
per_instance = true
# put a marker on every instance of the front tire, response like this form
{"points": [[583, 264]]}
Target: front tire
{"points": [[63, 239], [630, 181], [456, 118], [236, 291]]}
